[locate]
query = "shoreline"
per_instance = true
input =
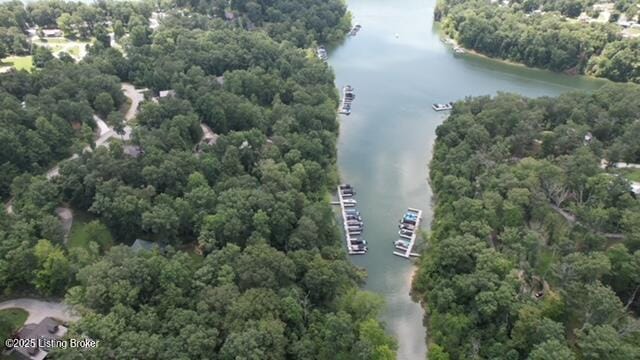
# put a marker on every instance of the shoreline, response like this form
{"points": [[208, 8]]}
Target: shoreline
{"points": [[450, 41]]}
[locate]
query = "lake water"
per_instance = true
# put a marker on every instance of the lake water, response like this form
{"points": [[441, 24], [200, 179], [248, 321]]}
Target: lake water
{"points": [[399, 66]]}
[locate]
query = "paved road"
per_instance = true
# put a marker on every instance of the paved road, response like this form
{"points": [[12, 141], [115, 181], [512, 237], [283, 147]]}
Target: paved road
{"points": [[39, 309]]}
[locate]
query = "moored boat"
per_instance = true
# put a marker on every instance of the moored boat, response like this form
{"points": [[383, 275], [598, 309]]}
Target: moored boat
{"points": [[442, 107]]}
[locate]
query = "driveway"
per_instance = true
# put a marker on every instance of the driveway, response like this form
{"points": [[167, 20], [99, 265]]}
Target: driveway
{"points": [[136, 97], [38, 310]]}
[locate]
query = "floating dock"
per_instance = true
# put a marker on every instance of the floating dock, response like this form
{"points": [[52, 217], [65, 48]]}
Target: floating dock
{"points": [[442, 107], [355, 30], [406, 251], [322, 54], [347, 237], [347, 99]]}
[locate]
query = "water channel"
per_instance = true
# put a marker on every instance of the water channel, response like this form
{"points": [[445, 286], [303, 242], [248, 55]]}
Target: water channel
{"points": [[399, 66]]}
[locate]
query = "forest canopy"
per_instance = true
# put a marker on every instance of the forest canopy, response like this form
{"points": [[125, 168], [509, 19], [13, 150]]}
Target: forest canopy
{"points": [[534, 251], [545, 40], [224, 171]]}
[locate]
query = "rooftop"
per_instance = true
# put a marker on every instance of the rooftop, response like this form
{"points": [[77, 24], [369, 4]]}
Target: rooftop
{"points": [[49, 328]]}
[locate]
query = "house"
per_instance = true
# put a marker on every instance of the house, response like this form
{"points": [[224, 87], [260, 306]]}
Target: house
{"points": [[144, 245], [167, 93], [133, 150], [624, 24], [154, 20], [588, 137], [208, 136], [46, 333], [52, 32], [163, 94]]}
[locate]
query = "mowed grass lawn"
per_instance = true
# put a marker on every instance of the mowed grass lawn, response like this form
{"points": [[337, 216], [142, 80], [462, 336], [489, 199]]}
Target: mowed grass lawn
{"points": [[11, 320], [87, 228], [630, 174], [19, 62]]}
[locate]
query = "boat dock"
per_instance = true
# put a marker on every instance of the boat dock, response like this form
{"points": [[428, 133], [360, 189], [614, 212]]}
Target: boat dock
{"points": [[442, 107], [351, 221], [347, 98], [321, 53], [409, 226], [355, 30]]}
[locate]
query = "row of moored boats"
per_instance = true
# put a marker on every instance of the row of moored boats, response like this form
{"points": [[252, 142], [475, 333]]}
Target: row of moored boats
{"points": [[348, 95], [354, 226], [442, 107], [408, 227]]}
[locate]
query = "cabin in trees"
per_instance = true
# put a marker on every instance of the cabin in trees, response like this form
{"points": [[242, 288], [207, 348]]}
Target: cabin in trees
{"points": [[164, 94], [167, 93], [52, 33], [144, 245], [46, 333]]}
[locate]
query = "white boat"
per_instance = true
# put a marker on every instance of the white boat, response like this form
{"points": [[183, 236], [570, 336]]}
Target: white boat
{"points": [[458, 50], [322, 54], [442, 107]]}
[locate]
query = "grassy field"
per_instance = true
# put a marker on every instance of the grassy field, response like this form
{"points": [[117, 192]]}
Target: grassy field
{"points": [[87, 228], [10, 321], [58, 45], [19, 62], [74, 51], [630, 174]]}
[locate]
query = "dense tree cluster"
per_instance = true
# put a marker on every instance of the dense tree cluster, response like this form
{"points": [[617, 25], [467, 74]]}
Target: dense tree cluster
{"points": [[80, 19], [75, 19], [534, 251], [250, 262], [48, 114], [540, 40], [618, 61], [13, 24], [300, 21], [569, 8], [628, 7], [303, 23]]}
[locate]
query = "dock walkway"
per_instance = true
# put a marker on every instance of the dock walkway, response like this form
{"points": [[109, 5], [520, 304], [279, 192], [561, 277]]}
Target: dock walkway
{"points": [[407, 253], [347, 237], [347, 98]]}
